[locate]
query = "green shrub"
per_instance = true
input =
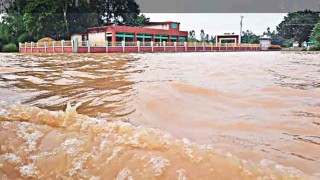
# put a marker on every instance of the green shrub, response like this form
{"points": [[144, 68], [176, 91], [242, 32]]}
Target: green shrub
{"points": [[315, 48], [10, 48]]}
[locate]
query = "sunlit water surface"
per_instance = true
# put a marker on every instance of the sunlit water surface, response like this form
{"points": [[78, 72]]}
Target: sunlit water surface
{"points": [[181, 116]]}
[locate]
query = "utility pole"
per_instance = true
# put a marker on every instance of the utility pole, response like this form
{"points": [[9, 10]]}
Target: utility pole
{"points": [[240, 29]]}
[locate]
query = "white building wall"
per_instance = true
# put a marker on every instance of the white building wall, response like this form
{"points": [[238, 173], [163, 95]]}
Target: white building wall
{"points": [[77, 37], [97, 37], [264, 44], [160, 26]]}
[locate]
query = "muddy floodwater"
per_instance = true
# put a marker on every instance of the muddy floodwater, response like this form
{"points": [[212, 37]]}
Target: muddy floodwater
{"points": [[233, 115]]}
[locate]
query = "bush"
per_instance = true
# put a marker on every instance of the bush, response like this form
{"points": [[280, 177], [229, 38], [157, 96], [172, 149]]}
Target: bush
{"points": [[1, 44], [10, 48], [274, 47], [315, 48]]}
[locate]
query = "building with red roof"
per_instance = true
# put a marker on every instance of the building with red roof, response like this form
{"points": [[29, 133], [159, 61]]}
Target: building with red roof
{"points": [[153, 31]]}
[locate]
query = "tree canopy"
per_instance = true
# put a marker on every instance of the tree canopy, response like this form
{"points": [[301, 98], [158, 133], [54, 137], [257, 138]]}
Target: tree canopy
{"points": [[249, 37], [315, 35], [34, 19], [298, 25]]}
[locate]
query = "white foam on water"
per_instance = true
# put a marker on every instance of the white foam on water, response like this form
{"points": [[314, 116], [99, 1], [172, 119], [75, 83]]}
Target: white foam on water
{"points": [[124, 174], [31, 136], [28, 170], [114, 154], [182, 174], [12, 158], [158, 164]]}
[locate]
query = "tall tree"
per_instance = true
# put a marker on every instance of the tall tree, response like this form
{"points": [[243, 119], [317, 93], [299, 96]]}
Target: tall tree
{"points": [[213, 39], [249, 37], [192, 36], [298, 25], [139, 21], [60, 18], [207, 38], [202, 35], [121, 12], [315, 35]]}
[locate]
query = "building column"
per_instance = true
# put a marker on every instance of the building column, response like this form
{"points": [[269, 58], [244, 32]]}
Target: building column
{"points": [[169, 38], [153, 37], [135, 39], [113, 38], [216, 40], [178, 40]]}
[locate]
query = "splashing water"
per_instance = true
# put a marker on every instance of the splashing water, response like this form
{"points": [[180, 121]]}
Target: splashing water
{"points": [[38, 143]]}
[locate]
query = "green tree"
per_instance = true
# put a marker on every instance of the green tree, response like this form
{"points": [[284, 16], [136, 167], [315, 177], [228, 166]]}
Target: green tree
{"points": [[121, 12], [202, 35], [34, 19], [192, 36], [6, 34], [139, 21], [315, 35], [207, 39], [249, 37], [298, 25], [213, 39]]}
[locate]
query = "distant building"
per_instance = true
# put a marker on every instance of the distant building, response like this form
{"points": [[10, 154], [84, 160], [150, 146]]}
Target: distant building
{"points": [[154, 31], [227, 38], [265, 42], [3, 5]]}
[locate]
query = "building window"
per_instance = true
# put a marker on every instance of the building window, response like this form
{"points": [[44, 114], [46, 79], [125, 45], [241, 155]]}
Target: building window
{"points": [[144, 37], [183, 39], [128, 37], [174, 38], [174, 26], [160, 38]]}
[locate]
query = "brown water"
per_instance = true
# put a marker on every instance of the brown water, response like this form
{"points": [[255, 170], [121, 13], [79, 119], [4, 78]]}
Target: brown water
{"points": [[245, 115]]}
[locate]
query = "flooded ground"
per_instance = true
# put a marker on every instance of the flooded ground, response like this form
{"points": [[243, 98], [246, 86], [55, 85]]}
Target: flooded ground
{"points": [[235, 115]]}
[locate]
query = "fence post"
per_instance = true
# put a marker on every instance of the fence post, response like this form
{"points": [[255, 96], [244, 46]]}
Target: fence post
{"points": [[25, 47], [219, 45], [195, 46], [203, 46], [53, 46], [123, 44], [88, 47], [62, 45], [72, 45], [138, 44], [31, 47], [185, 47], [164, 46], [175, 46], [211, 46], [45, 46], [107, 46], [152, 46]]}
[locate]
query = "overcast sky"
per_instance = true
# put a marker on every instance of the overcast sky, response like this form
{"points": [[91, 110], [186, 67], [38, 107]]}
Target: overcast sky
{"points": [[220, 23]]}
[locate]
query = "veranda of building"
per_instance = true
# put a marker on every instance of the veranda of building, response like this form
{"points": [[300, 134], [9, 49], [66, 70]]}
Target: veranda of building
{"points": [[156, 32]]}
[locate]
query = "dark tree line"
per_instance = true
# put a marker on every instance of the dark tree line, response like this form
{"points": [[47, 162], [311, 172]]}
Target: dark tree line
{"points": [[58, 19], [298, 25]]}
